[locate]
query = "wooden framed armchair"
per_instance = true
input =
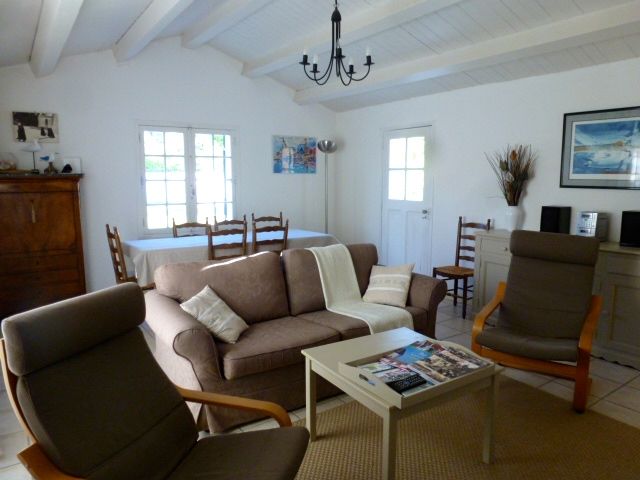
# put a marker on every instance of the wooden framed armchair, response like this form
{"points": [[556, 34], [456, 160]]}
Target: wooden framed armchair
{"points": [[96, 405], [547, 315]]}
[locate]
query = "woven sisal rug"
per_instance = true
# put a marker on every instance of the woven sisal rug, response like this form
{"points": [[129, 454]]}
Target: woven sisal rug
{"points": [[538, 437]]}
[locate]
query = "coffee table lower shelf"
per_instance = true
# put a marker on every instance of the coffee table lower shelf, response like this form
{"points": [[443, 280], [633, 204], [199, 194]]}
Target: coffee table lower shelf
{"points": [[324, 360]]}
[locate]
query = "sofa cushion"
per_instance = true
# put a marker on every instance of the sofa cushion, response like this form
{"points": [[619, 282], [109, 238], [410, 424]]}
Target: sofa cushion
{"points": [[349, 327], [303, 279], [269, 345], [253, 287], [389, 285]]}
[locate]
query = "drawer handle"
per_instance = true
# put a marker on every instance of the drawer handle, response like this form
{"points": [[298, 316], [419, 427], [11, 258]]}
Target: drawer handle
{"points": [[33, 214]]}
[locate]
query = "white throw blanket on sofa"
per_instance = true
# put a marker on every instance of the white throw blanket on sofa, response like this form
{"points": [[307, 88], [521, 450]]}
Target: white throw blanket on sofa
{"points": [[342, 294]]}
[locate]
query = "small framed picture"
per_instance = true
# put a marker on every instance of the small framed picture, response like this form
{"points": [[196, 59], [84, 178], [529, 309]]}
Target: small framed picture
{"points": [[29, 126], [601, 149], [294, 154]]}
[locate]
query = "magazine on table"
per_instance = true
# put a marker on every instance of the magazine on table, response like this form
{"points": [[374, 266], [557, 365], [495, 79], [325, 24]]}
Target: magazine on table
{"points": [[423, 364]]}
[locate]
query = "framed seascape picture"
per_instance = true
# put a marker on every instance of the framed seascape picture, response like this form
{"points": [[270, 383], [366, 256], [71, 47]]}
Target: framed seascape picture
{"points": [[29, 126], [601, 149], [294, 154]]}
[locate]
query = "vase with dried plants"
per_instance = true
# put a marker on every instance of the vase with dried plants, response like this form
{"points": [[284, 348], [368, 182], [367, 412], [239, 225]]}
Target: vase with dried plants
{"points": [[513, 167]]}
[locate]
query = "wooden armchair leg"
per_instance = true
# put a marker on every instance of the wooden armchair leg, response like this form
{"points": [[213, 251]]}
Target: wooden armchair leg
{"points": [[581, 389]]}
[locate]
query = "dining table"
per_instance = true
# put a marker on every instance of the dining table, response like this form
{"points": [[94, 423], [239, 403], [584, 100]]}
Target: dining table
{"points": [[149, 253]]}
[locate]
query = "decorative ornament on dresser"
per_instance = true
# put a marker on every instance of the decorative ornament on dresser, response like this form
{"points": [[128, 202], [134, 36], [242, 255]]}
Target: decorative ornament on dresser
{"points": [[513, 166]]}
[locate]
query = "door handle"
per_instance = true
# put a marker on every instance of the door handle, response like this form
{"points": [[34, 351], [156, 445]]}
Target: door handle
{"points": [[426, 213]]}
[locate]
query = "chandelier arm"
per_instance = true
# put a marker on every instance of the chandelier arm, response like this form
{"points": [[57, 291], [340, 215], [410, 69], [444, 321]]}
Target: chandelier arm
{"points": [[363, 77], [327, 73], [346, 74]]}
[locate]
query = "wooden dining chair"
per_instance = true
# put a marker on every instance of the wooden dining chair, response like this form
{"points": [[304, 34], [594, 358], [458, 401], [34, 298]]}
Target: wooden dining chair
{"points": [[267, 219], [465, 248], [236, 233], [118, 259], [273, 244], [188, 227]]}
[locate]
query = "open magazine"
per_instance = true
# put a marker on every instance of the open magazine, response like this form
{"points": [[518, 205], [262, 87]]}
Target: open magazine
{"points": [[423, 364]]}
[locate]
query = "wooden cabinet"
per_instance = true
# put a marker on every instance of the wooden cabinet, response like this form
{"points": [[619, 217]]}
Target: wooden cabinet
{"points": [[41, 259], [617, 279]]}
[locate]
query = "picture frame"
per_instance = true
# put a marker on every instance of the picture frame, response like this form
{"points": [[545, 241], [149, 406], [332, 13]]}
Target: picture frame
{"points": [[40, 126], [601, 149], [293, 155]]}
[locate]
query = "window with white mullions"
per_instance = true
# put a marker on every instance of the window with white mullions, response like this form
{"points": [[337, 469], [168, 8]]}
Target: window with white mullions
{"points": [[187, 176], [406, 168]]}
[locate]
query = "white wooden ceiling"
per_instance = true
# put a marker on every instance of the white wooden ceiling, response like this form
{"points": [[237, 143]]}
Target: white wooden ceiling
{"points": [[419, 47]]}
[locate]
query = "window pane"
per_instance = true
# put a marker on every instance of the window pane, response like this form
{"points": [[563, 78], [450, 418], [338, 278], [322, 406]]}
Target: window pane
{"points": [[219, 145], [174, 143], [415, 185], [176, 192], [157, 216], [154, 168], [415, 152], [204, 190], [397, 152], [220, 212], [227, 168], [396, 184], [205, 212], [229, 192], [229, 210], [156, 192], [204, 145], [177, 213], [153, 143], [175, 168]]}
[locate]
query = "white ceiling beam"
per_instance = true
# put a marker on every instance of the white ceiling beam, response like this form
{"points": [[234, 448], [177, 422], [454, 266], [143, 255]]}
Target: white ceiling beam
{"points": [[593, 27], [54, 27], [147, 26], [219, 20], [358, 28]]}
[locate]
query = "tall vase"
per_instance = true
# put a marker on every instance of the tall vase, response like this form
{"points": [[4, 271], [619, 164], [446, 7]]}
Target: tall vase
{"points": [[513, 217]]}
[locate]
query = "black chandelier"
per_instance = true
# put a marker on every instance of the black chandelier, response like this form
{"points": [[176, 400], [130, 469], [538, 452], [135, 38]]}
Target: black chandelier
{"points": [[346, 74]]}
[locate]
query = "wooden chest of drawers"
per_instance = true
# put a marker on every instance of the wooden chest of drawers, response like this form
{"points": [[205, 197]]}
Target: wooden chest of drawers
{"points": [[41, 259]]}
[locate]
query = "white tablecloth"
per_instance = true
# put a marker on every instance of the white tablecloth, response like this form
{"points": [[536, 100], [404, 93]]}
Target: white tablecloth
{"points": [[149, 254]]}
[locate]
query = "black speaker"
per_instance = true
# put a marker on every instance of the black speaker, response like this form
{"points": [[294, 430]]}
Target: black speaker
{"points": [[630, 229], [555, 219]]}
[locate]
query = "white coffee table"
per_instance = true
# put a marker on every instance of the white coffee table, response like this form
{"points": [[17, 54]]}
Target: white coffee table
{"points": [[324, 361]]}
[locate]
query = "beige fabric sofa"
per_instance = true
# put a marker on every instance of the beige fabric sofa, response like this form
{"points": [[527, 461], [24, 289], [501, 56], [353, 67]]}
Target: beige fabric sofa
{"points": [[281, 299]]}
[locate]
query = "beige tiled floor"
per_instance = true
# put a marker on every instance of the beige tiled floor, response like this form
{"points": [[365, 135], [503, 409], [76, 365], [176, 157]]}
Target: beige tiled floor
{"points": [[615, 392]]}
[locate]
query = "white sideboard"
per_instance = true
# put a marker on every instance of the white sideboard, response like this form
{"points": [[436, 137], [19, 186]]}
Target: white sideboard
{"points": [[617, 279]]}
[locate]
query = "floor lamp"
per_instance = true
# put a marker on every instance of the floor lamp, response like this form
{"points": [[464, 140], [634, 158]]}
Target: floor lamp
{"points": [[326, 147]]}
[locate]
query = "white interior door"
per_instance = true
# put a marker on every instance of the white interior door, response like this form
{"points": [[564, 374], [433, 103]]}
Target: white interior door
{"points": [[407, 199]]}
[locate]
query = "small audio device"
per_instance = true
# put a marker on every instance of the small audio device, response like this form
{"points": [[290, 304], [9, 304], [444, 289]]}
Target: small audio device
{"points": [[630, 229], [555, 219], [593, 224]]}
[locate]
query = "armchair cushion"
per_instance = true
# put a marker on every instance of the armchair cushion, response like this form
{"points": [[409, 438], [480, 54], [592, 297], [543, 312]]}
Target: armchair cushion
{"points": [[530, 346], [231, 457]]}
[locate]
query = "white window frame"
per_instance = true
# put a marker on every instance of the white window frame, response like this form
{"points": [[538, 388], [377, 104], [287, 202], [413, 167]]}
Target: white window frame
{"points": [[190, 182]]}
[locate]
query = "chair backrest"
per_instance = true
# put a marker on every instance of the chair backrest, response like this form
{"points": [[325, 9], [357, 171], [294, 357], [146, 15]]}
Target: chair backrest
{"points": [[229, 224], [191, 229], [267, 219], [273, 237], [549, 283], [466, 242], [232, 241], [117, 256], [89, 390]]}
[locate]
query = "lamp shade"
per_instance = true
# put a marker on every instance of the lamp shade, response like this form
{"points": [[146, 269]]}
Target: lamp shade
{"points": [[32, 147], [327, 146]]}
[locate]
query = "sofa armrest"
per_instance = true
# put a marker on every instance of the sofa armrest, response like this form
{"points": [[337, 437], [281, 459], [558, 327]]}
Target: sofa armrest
{"points": [[426, 292], [184, 347]]}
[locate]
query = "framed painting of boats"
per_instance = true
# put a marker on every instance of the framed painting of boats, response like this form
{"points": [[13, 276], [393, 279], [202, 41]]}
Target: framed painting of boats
{"points": [[601, 149]]}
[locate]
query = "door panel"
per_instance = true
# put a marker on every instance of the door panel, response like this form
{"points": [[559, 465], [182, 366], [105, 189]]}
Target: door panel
{"points": [[407, 199]]}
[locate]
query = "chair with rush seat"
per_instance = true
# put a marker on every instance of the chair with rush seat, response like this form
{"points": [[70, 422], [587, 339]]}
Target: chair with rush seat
{"points": [[96, 405], [191, 229], [465, 248], [547, 315], [234, 247]]}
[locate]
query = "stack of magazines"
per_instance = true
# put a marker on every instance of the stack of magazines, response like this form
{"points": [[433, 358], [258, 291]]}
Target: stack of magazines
{"points": [[423, 364]]}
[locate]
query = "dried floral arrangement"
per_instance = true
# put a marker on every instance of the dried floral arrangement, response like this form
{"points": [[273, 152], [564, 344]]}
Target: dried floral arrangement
{"points": [[513, 166]]}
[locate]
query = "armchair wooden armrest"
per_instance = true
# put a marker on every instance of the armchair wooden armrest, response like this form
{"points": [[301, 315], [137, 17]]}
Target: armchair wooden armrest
{"points": [[241, 403], [485, 313], [38, 464]]}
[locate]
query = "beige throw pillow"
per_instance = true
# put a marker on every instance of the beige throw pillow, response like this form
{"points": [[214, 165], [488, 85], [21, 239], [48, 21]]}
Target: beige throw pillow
{"points": [[209, 309], [389, 285]]}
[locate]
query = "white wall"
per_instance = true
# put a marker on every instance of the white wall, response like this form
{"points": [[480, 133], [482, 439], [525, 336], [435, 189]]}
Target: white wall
{"points": [[466, 124], [100, 104]]}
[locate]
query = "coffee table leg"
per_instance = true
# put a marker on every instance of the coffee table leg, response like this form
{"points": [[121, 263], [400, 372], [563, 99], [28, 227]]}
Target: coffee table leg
{"points": [[310, 381], [489, 420], [389, 426]]}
